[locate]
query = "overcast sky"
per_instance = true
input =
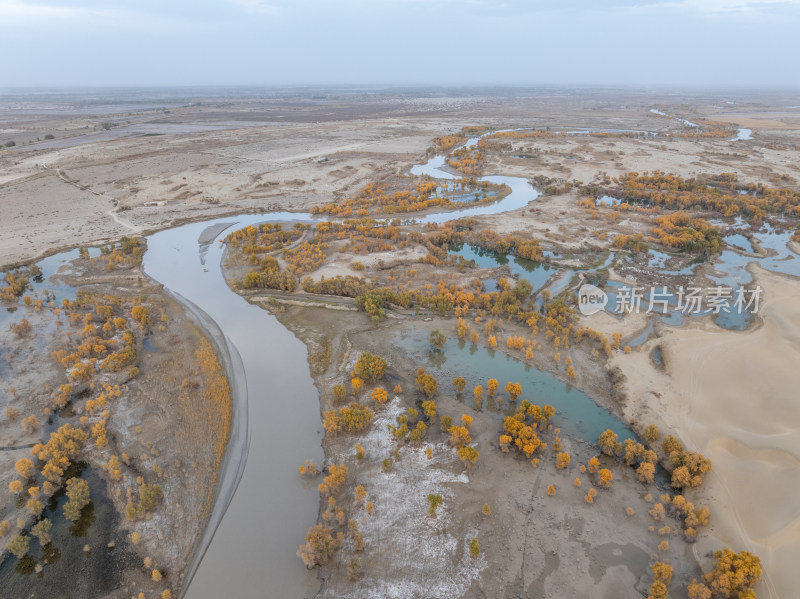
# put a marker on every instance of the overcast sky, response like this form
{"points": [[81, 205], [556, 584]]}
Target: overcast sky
{"points": [[742, 43]]}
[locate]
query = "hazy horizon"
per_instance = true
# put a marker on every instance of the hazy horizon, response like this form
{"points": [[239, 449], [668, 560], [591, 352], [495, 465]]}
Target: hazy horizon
{"points": [[700, 44]]}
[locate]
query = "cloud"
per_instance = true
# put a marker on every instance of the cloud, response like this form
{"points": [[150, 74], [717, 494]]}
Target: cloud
{"points": [[82, 15], [17, 10], [259, 7], [722, 7]]}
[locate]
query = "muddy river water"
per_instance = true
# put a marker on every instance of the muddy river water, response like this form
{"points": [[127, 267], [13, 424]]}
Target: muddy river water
{"points": [[251, 544], [264, 508], [253, 533]]}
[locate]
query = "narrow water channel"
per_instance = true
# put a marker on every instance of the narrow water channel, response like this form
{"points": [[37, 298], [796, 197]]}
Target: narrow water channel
{"points": [[251, 550], [264, 507]]}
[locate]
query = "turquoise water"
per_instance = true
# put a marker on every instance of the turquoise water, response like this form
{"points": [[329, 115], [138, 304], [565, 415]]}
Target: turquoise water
{"points": [[577, 414], [536, 273], [657, 357]]}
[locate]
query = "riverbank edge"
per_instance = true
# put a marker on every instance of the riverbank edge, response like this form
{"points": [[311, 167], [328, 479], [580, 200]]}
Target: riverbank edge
{"points": [[179, 222], [238, 445]]}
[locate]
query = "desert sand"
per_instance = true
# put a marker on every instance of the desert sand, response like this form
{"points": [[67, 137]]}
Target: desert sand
{"points": [[732, 396], [168, 163]]}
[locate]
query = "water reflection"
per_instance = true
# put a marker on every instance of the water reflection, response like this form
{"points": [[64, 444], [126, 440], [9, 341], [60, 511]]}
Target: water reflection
{"points": [[577, 414]]}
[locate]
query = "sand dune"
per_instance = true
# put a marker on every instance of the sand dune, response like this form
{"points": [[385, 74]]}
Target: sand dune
{"points": [[733, 396]]}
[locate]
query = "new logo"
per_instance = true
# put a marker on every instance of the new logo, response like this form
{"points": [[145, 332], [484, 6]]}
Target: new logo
{"points": [[591, 299]]}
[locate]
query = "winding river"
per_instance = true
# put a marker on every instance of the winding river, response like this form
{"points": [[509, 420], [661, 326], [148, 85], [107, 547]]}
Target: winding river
{"points": [[250, 551], [253, 533], [263, 508]]}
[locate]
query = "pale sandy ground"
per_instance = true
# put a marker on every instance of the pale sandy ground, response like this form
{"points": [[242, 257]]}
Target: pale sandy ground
{"points": [[733, 397], [581, 157], [727, 394], [201, 161], [534, 545], [97, 192]]}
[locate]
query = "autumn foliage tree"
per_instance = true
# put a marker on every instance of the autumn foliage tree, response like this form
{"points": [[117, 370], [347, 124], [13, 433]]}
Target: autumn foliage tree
{"points": [[645, 472], [30, 424], [370, 367], [633, 452], [78, 493], [657, 512], [662, 576], [562, 460], [319, 547], [604, 477], [309, 468], [651, 433], [426, 383], [437, 339], [337, 474], [521, 428], [733, 575], [380, 395], [434, 501], [697, 590], [609, 443], [514, 390], [41, 530], [469, 455], [688, 467], [61, 449], [459, 436], [662, 572], [339, 393], [19, 545], [352, 418], [429, 408], [24, 467]]}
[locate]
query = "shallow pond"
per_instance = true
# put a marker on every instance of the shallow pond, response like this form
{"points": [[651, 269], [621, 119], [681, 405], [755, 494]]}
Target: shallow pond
{"points": [[99, 569], [283, 407], [47, 284], [577, 414], [740, 241], [536, 273]]}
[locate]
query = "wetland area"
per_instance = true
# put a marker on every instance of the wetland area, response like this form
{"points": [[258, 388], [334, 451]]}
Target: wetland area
{"points": [[269, 323]]}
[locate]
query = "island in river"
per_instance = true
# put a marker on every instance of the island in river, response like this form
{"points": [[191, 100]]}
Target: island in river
{"points": [[477, 504]]}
